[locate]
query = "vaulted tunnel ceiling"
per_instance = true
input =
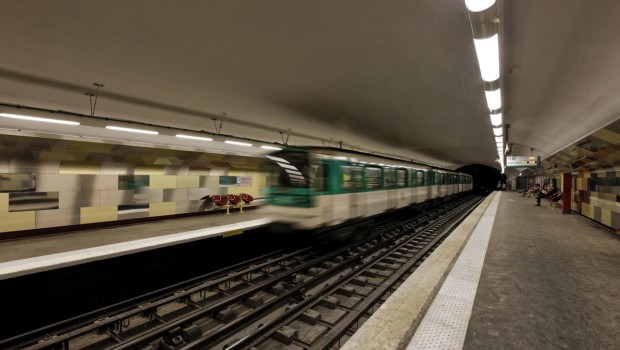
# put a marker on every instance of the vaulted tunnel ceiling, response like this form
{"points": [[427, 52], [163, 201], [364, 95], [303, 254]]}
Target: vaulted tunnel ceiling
{"points": [[399, 77]]}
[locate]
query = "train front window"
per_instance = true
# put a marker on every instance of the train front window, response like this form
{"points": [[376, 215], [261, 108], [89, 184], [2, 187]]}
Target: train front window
{"points": [[292, 169]]}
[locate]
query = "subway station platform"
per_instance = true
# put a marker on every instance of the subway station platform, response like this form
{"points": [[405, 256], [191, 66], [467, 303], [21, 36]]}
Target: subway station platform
{"points": [[30, 255], [512, 276]]}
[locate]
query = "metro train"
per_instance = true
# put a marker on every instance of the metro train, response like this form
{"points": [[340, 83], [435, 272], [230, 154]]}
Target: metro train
{"points": [[317, 187]]}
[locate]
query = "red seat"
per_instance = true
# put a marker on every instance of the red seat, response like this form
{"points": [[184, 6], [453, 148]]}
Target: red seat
{"points": [[246, 198], [220, 200], [234, 199]]}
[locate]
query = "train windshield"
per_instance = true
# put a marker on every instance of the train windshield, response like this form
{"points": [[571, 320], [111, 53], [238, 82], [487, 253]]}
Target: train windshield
{"points": [[291, 169]]}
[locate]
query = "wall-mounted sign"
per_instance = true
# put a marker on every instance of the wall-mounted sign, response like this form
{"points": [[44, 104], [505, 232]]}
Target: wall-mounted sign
{"points": [[235, 181], [522, 161]]}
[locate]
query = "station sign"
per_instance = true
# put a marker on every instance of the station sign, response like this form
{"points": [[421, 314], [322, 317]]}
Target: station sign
{"points": [[522, 162]]}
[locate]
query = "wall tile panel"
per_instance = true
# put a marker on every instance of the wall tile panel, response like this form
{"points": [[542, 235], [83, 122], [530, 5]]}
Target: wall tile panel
{"points": [[163, 181], [175, 195], [25, 166], [114, 168], [24, 220], [81, 168], [4, 203], [159, 209], [116, 197], [197, 193], [188, 181], [77, 199], [90, 215], [57, 217], [188, 206], [98, 182], [150, 195], [4, 165]]}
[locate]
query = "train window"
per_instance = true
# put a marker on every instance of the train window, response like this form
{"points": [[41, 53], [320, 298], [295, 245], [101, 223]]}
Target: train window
{"points": [[420, 178], [373, 178], [389, 177], [319, 179], [352, 177], [401, 178]]}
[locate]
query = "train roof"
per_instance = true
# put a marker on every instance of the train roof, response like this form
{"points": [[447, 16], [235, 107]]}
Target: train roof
{"points": [[366, 157]]}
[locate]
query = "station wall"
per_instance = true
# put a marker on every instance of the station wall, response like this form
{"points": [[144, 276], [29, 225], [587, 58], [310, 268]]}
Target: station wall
{"points": [[596, 194], [44, 193]]}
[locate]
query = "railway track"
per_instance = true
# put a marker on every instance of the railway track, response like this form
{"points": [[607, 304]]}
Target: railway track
{"points": [[311, 298]]}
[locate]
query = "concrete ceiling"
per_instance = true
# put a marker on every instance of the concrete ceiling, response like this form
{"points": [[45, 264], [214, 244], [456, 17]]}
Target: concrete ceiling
{"points": [[397, 77]]}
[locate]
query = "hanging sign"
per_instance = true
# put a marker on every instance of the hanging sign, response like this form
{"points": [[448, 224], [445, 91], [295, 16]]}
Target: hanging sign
{"points": [[522, 161]]}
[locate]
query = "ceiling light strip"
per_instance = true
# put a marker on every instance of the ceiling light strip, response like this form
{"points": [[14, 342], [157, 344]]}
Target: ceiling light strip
{"points": [[139, 131], [38, 119]]}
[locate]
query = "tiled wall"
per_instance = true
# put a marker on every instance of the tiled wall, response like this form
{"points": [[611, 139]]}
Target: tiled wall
{"points": [[89, 192], [597, 196]]}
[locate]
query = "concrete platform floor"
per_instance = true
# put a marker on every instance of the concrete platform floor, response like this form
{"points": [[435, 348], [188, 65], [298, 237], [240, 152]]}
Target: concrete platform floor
{"points": [[24, 248], [549, 281]]}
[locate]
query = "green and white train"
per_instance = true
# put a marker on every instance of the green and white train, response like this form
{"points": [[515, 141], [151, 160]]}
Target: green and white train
{"points": [[316, 187]]}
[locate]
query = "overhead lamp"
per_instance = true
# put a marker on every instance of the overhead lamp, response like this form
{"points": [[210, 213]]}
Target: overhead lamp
{"points": [[139, 131], [496, 119], [193, 137], [38, 119], [478, 5], [271, 147], [494, 99], [238, 143], [497, 131], [499, 139], [487, 51]]}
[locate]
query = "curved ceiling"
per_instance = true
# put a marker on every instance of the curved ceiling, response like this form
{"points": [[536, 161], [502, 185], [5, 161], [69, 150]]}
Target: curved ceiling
{"points": [[399, 78]]}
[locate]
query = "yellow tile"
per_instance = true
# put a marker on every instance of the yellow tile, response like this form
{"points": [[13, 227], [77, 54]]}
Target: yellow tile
{"points": [[4, 202], [199, 171], [63, 155], [164, 208], [163, 181], [23, 220], [188, 181], [89, 215], [606, 216], [79, 168], [148, 170], [585, 210]]}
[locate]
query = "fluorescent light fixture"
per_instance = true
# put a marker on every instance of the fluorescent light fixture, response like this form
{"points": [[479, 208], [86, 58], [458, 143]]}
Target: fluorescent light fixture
{"points": [[499, 139], [487, 51], [193, 137], [238, 143], [500, 145], [37, 119], [478, 5], [139, 131], [497, 131], [494, 99], [496, 119], [340, 158], [271, 147]]}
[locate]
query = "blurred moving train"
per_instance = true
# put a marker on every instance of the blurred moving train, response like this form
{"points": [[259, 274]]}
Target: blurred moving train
{"points": [[315, 187]]}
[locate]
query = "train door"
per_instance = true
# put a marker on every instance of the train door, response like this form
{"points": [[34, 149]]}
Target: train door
{"points": [[430, 184]]}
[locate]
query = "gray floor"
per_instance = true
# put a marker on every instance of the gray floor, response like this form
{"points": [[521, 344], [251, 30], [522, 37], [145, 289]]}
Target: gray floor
{"points": [[550, 281], [33, 247]]}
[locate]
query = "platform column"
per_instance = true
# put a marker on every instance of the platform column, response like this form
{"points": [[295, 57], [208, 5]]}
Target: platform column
{"points": [[567, 184]]}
